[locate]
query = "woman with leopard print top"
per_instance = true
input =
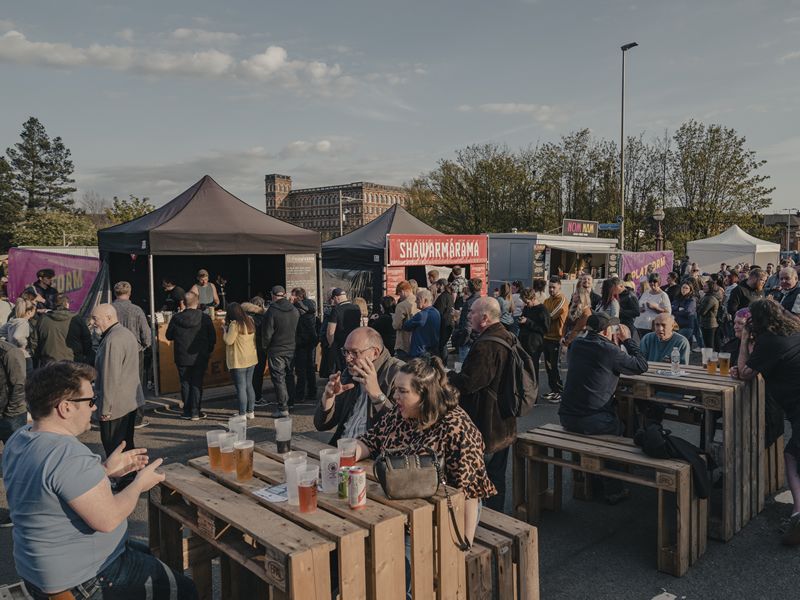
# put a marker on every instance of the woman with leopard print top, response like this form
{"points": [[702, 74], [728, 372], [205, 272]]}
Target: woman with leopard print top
{"points": [[427, 415]]}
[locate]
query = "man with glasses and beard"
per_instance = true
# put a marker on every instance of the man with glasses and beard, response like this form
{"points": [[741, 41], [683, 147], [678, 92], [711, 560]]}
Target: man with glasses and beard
{"points": [[353, 400]]}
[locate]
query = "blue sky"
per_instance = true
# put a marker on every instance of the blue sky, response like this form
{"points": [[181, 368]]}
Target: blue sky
{"points": [[150, 96]]}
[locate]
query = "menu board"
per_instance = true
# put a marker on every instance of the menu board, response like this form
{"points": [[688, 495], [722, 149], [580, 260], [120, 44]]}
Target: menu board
{"points": [[539, 268], [394, 275], [301, 271]]}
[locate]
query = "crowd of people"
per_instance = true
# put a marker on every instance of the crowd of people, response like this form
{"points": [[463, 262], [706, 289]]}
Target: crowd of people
{"points": [[388, 385]]}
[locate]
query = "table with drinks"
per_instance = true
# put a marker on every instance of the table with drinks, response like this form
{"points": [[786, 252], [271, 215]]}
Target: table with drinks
{"points": [[707, 397]]}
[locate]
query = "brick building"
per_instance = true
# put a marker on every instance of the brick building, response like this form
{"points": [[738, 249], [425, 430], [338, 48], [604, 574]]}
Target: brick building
{"points": [[318, 208], [785, 223]]}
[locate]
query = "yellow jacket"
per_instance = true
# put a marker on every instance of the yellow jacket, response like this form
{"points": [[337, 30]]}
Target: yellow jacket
{"points": [[240, 348]]}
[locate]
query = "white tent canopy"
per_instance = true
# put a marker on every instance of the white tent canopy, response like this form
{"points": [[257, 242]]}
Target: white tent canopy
{"points": [[734, 245]]}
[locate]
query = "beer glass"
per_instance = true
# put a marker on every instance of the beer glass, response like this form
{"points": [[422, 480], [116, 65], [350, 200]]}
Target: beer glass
{"points": [[329, 465], [712, 363], [347, 446], [307, 488], [212, 439], [705, 353], [238, 425], [725, 363], [243, 452], [291, 467], [226, 442], [283, 434]]}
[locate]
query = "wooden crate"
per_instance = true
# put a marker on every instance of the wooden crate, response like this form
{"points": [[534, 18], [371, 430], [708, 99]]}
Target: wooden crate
{"points": [[536, 450], [262, 554]]}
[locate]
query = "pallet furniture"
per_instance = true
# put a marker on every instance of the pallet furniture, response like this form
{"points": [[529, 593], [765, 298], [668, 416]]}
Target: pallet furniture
{"points": [[503, 562], [680, 543], [750, 472], [15, 591]]}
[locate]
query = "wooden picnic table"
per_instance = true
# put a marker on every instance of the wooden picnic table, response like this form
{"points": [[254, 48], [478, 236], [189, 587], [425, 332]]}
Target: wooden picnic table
{"points": [[750, 472]]}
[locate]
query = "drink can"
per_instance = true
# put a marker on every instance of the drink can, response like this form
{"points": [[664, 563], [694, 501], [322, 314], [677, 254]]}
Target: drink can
{"points": [[357, 488], [344, 479]]}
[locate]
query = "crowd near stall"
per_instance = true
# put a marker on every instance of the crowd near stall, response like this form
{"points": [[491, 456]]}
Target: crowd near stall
{"points": [[421, 353]]}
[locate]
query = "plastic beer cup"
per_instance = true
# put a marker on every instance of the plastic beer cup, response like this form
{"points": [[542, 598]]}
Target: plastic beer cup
{"points": [[243, 452], [712, 363], [307, 488], [238, 425], [283, 434], [347, 446], [226, 442], [291, 467], [329, 467], [725, 363], [212, 439]]}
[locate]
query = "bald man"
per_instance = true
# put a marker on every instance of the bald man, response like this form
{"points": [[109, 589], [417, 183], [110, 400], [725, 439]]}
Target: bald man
{"points": [[658, 344], [353, 399], [118, 389]]}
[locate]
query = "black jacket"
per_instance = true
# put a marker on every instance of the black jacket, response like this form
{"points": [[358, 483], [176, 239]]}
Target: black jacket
{"points": [[788, 299], [12, 380], [383, 325], [628, 308], [193, 335], [595, 364], [280, 328], [532, 331], [741, 297], [307, 324], [63, 335]]}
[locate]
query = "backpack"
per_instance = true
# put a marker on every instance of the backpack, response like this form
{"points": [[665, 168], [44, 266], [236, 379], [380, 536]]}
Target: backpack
{"points": [[519, 391]]}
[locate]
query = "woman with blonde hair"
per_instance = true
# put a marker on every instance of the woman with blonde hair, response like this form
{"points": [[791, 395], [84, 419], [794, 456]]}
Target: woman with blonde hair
{"points": [[241, 356], [362, 305], [580, 309], [17, 330]]}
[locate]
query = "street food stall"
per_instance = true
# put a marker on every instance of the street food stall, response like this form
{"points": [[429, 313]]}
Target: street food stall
{"points": [[245, 251], [370, 261]]}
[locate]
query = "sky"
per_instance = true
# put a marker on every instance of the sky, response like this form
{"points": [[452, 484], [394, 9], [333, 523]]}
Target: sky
{"points": [[150, 96]]}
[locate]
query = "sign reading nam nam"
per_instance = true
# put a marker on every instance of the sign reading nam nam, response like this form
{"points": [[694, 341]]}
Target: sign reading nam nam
{"points": [[575, 228]]}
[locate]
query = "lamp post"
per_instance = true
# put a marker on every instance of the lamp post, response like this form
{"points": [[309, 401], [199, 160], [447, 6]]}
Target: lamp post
{"points": [[658, 216], [624, 49], [789, 212], [341, 210]]}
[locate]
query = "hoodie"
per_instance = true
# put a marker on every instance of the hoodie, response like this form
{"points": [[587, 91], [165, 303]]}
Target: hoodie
{"points": [[63, 335], [280, 328], [193, 335]]}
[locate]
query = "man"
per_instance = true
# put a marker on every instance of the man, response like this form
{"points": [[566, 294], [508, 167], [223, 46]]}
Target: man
{"points": [[44, 290], [595, 364], [480, 384], [458, 282], [651, 268], [405, 309], [176, 298], [424, 325], [62, 335], [464, 335], [344, 318], [586, 282], [557, 306], [433, 277], [132, 318], [119, 391], [194, 338], [352, 402], [773, 278], [723, 270], [658, 344], [731, 281], [12, 396], [673, 288], [278, 341], [747, 291], [789, 293], [69, 528], [305, 351]]}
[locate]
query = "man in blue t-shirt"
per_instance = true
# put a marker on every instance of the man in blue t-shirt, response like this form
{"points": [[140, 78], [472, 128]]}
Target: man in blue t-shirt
{"points": [[69, 528], [425, 326], [658, 344]]}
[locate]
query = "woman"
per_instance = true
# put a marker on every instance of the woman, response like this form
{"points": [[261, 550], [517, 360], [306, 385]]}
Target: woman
{"points": [[241, 356], [256, 310], [382, 322], [580, 308], [426, 414], [628, 282], [445, 304], [533, 325], [707, 313], [506, 308], [776, 356], [610, 297], [652, 303], [17, 330], [205, 290], [362, 305], [684, 309]]}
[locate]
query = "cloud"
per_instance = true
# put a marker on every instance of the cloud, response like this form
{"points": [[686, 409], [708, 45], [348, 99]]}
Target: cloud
{"points": [[302, 147], [271, 65], [126, 34], [6, 25], [790, 20], [541, 113], [202, 36], [790, 56]]}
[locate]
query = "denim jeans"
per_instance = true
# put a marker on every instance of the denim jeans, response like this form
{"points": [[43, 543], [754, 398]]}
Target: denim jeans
{"points": [[551, 350], [243, 382], [496, 467], [280, 371], [191, 378], [134, 575]]}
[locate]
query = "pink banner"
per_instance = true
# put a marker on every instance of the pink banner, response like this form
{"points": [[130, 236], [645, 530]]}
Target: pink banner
{"points": [[74, 274], [636, 263]]}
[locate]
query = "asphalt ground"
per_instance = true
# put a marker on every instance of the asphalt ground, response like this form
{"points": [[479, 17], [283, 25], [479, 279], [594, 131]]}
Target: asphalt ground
{"points": [[588, 550]]}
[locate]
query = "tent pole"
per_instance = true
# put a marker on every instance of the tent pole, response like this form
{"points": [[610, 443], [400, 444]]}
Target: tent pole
{"points": [[153, 326]]}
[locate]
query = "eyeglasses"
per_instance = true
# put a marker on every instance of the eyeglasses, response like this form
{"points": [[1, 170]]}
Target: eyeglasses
{"points": [[90, 400], [354, 353]]}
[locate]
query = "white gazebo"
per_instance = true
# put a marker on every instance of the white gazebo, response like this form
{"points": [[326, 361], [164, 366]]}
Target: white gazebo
{"points": [[734, 245]]}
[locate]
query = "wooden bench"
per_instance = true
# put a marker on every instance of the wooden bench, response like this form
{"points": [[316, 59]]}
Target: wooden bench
{"points": [[505, 548], [15, 591], [262, 554], [535, 450]]}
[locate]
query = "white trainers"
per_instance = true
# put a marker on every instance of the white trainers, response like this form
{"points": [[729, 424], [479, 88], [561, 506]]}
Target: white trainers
{"points": [[251, 415]]}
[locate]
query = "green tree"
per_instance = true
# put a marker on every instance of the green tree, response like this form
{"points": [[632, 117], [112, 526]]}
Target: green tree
{"points": [[55, 229], [58, 177], [127, 210], [10, 205]]}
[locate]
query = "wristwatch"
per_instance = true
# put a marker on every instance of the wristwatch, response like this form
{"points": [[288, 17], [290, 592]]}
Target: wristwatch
{"points": [[381, 400]]}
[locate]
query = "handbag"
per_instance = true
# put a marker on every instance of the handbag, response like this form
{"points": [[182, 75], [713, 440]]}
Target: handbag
{"points": [[404, 477]]}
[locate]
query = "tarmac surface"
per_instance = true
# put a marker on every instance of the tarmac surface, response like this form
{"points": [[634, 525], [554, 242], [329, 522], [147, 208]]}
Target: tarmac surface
{"points": [[588, 550]]}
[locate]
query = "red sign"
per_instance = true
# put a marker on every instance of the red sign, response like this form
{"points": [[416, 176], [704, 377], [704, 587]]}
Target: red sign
{"points": [[394, 275], [405, 250]]}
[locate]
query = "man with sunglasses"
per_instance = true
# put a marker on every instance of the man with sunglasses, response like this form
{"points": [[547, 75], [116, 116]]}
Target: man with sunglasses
{"points": [[69, 528], [353, 400]]}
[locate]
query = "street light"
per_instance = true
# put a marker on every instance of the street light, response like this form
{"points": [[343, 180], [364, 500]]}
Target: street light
{"points": [[341, 211], [658, 216], [624, 49], [789, 228]]}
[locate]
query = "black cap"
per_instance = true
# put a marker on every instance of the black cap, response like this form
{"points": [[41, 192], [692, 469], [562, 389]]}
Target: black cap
{"points": [[46, 273], [337, 292], [599, 321], [278, 290]]}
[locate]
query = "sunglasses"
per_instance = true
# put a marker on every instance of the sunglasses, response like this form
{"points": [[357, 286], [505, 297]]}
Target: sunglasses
{"points": [[90, 400]]}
